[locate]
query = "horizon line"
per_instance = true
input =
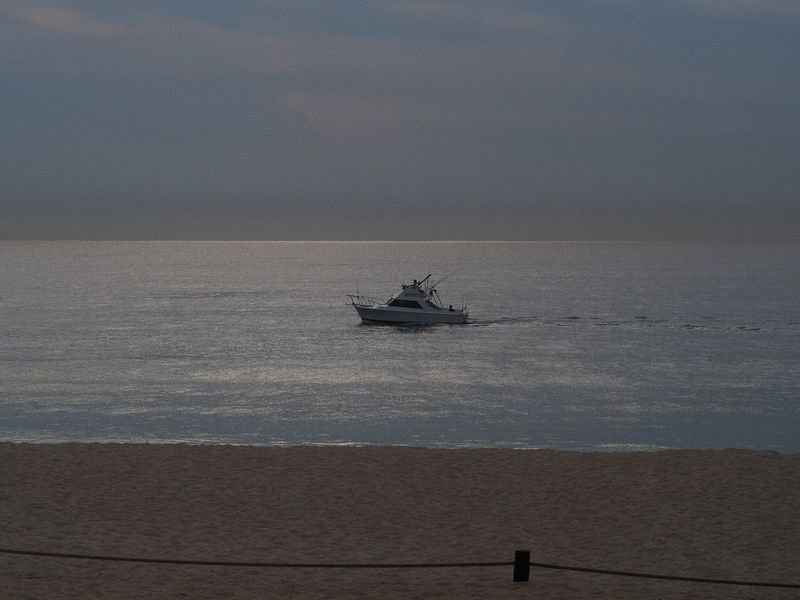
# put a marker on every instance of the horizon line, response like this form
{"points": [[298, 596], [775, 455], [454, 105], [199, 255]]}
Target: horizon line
{"points": [[412, 241]]}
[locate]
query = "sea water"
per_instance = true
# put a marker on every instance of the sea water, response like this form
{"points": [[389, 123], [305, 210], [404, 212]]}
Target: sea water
{"points": [[588, 346]]}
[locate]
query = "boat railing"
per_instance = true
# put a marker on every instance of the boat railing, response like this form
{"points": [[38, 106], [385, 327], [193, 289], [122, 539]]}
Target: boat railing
{"points": [[359, 300]]}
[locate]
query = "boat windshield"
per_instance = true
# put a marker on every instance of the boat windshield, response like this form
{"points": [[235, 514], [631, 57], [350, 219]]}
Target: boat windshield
{"points": [[405, 303]]}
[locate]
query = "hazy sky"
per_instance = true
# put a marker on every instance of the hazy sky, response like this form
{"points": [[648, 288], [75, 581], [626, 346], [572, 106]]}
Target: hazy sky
{"points": [[384, 119]]}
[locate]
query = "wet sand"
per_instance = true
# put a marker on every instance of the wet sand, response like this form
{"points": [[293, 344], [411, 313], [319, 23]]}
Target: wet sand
{"points": [[729, 514]]}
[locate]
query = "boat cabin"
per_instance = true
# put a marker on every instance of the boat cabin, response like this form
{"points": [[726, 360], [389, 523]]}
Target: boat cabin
{"points": [[412, 297]]}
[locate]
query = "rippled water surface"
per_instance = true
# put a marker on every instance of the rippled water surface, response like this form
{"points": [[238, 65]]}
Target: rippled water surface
{"points": [[570, 345]]}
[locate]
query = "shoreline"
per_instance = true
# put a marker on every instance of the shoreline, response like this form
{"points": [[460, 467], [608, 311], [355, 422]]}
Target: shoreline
{"points": [[727, 514], [620, 448]]}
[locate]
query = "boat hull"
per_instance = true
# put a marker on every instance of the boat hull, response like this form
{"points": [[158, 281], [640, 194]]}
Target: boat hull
{"points": [[398, 315]]}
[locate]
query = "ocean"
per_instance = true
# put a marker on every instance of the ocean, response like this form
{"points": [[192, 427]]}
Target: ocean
{"points": [[580, 346]]}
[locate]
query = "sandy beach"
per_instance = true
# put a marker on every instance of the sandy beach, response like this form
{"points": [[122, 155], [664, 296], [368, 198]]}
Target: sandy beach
{"points": [[728, 514]]}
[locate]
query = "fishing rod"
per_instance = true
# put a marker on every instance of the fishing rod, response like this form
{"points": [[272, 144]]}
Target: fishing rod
{"points": [[445, 278]]}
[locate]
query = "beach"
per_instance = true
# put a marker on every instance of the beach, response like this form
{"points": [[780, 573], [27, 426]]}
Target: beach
{"points": [[724, 514]]}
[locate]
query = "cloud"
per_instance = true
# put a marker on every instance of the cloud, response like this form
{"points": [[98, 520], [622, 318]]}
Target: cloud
{"points": [[485, 15], [360, 87], [768, 8], [786, 8], [152, 42], [157, 42], [64, 21], [330, 107]]}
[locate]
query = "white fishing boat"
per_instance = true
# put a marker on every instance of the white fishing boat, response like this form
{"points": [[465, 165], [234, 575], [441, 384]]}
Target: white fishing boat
{"points": [[417, 302]]}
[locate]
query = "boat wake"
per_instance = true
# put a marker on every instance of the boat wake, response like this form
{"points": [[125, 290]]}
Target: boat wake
{"points": [[637, 322], [501, 321]]}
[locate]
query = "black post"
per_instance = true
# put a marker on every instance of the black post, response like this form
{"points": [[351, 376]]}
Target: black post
{"points": [[522, 565]]}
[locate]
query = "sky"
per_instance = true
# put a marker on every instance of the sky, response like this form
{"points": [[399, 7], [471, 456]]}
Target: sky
{"points": [[386, 119]]}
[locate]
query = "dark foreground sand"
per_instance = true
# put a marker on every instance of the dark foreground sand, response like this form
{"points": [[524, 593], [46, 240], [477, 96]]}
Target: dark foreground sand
{"points": [[722, 514]]}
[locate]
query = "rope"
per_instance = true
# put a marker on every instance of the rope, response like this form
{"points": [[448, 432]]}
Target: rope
{"points": [[667, 577], [275, 565], [281, 565]]}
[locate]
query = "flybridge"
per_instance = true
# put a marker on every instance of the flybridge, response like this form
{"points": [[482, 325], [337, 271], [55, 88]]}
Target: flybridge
{"points": [[417, 302]]}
